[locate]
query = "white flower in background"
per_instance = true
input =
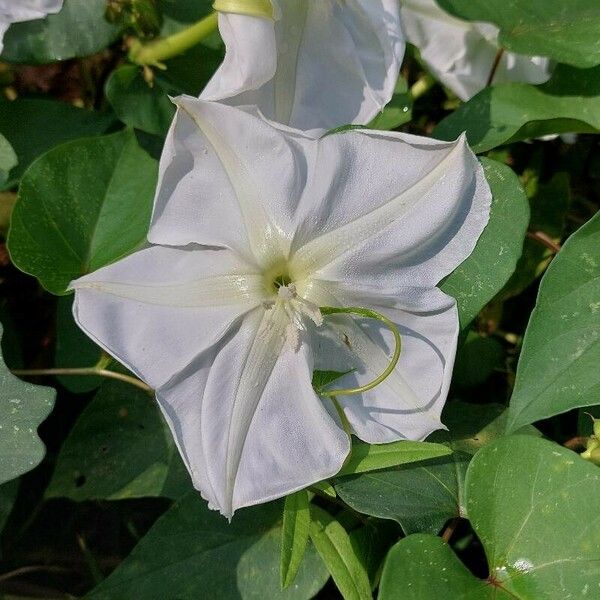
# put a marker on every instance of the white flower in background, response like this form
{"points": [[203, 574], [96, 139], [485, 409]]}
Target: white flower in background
{"points": [[16, 11], [461, 54], [314, 65], [255, 228]]}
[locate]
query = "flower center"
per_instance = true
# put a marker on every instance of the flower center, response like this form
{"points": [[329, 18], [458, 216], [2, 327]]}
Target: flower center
{"points": [[297, 309]]}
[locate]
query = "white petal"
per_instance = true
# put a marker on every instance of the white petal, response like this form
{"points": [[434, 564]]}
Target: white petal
{"points": [[248, 423], [227, 178], [408, 404], [336, 63], [405, 212], [251, 57], [461, 54], [159, 308]]}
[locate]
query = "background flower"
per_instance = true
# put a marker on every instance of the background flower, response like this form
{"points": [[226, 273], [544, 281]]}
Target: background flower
{"points": [[318, 65], [461, 54]]}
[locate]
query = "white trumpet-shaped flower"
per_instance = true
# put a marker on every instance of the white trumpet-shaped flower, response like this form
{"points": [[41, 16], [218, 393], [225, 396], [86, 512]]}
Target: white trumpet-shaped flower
{"points": [[462, 54], [314, 64], [254, 229], [17, 11]]}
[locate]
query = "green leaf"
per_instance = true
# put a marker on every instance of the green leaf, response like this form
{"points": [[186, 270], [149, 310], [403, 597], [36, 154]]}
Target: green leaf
{"points": [[138, 104], [79, 29], [416, 563], [192, 552], [23, 406], [34, 126], [558, 367], [321, 379], [74, 349], [119, 448], [335, 547], [423, 496], [366, 457], [565, 32], [484, 273], [8, 160], [420, 497], [569, 102], [294, 535], [81, 206], [533, 505]]}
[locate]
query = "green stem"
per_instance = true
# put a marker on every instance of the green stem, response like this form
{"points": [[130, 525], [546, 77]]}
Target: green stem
{"points": [[86, 371], [153, 53], [371, 314]]}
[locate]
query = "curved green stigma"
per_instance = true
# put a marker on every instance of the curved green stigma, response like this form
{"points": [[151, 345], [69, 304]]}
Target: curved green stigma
{"points": [[370, 314], [254, 8]]}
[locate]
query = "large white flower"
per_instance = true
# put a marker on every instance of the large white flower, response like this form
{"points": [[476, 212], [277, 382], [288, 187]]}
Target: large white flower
{"points": [[254, 228], [461, 54], [316, 65], [16, 11]]}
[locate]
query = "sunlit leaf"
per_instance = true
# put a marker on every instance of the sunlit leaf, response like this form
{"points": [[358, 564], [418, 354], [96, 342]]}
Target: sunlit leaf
{"points": [[569, 102], [294, 535], [81, 206], [493, 261], [533, 506], [79, 29], [333, 544], [558, 366]]}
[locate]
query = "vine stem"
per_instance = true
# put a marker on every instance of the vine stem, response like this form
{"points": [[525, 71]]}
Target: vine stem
{"points": [[370, 314], [87, 372], [545, 240], [495, 65], [449, 531], [155, 52]]}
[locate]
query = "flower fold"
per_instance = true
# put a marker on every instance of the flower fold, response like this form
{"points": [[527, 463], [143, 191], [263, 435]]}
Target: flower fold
{"points": [[317, 65], [462, 54], [254, 228]]}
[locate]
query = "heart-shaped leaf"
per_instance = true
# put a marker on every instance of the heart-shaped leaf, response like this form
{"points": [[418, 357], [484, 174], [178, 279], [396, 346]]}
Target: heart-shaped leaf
{"points": [[81, 206], [533, 505]]}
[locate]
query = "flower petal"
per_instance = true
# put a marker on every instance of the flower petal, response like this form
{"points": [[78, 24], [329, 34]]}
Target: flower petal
{"points": [[461, 54], [251, 58], [385, 224], [218, 185], [336, 63], [249, 425], [408, 404], [158, 308]]}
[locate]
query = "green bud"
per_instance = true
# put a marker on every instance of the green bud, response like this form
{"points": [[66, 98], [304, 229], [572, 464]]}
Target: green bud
{"points": [[140, 17], [592, 446]]}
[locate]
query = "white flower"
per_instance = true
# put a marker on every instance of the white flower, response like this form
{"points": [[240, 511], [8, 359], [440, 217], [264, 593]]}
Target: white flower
{"points": [[318, 65], [16, 11], [461, 54], [254, 229]]}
